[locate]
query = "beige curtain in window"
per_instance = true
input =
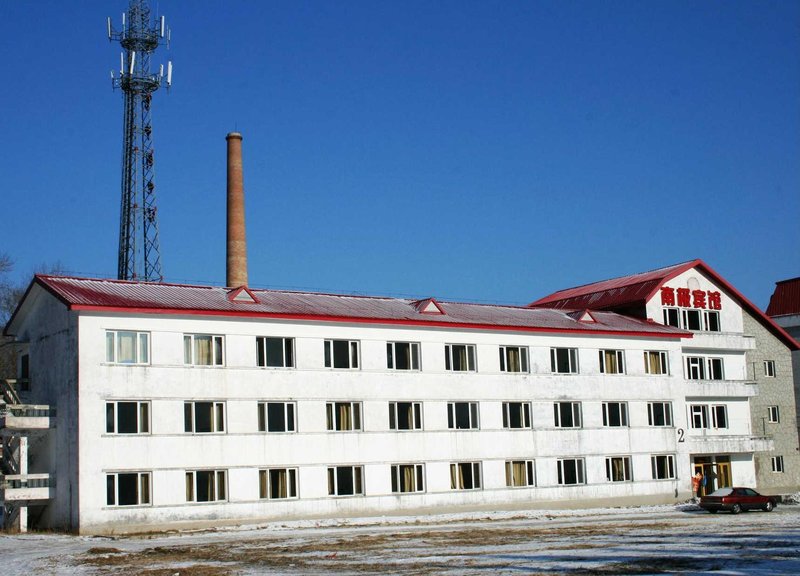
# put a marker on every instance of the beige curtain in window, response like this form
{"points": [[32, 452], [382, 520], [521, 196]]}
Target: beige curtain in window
{"points": [[202, 350], [617, 469], [144, 489], [454, 476], [462, 358], [221, 490], [611, 361], [519, 473], [345, 417], [280, 485], [512, 359], [126, 347], [262, 483], [189, 487], [653, 362], [408, 479], [331, 481]]}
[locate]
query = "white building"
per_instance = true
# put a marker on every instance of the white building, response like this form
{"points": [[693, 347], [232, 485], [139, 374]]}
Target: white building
{"points": [[150, 406]]}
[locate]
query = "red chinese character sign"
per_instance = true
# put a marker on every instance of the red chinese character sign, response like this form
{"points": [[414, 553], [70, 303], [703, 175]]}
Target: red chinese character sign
{"points": [[686, 298]]}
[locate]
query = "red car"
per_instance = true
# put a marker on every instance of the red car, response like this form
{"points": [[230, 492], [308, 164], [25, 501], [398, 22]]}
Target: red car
{"points": [[737, 499]]}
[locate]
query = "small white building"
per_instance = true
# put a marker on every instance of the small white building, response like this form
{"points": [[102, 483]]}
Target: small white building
{"points": [[153, 406]]}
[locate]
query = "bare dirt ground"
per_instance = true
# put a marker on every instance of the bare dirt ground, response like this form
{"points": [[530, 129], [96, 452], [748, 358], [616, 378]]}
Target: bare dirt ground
{"points": [[661, 540]]}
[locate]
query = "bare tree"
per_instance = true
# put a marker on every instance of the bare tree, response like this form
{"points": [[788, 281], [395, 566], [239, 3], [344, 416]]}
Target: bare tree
{"points": [[11, 291]]}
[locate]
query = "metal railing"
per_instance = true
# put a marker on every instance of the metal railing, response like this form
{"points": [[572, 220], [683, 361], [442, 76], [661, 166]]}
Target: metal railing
{"points": [[15, 482]]}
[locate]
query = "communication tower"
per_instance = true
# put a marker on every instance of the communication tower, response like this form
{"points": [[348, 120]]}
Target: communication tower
{"points": [[139, 257]]}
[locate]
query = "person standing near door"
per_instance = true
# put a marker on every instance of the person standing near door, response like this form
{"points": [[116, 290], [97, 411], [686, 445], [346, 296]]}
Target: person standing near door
{"points": [[697, 481]]}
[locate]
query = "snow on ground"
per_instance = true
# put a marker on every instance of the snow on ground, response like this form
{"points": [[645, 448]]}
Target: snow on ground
{"points": [[647, 540]]}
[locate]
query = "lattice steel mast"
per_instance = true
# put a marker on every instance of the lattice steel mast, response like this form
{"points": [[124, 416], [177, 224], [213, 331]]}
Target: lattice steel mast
{"points": [[139, 257]]}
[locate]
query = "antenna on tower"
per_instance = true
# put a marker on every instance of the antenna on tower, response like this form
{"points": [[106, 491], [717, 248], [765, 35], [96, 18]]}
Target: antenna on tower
{"points": [[139, 255]]}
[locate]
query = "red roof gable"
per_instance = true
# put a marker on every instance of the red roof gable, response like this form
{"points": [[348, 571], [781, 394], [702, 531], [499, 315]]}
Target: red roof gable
{"points": [[786, 298], [159, 298], [625, 291]]}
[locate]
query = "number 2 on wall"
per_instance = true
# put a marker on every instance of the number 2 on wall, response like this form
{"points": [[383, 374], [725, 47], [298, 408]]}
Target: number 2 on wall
{"points": [[680, 434]]}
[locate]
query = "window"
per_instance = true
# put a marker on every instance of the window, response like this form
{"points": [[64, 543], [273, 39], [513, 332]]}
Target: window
{"points": [[612, 361], [774, 414], [695, 368], [204, 417], [341, 354], [659, 414], [769, 368], [277, 483], [345, 481], [344, 416], [615, 414], [698, 415], [516, 415], [567, 414], [715, 369], [128, 488], [276, 417], [206, 485], [402, 355], [777, 464], [618, 469], [127, 417], [711, 321], [570, 471], [459, 357], [719, 416], [663, 467], [655, 362], [274, 352], [520, 473], [405, 415], [462, 415], [691, 319], [564, 360], [126, 347], [513, 359], [408, 478], [671, 317], [465, 476], [700, 368], [202, 350]]}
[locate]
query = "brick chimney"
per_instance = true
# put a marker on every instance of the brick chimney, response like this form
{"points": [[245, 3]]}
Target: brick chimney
{"points": [[236, 269]]}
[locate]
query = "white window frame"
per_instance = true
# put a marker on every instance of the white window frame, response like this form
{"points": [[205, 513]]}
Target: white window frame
{"points": [[141, 345], [398, 478], [575, 415], [353, 354], [144, 488], [668, 461], [619, 359], [773, 414], [579, 469], [528, 469], [266, 484], [769, 369], [395, 409], [412, 355], [507, 362], [716, 368], [711, 321], [688, 313], [334, 420], [669, 314], [357, 479], [191, 347], [473, 412], [627, 469], [665, 412], [698, 416], [266, 360], [719, 416], [457, 481], [695, 368], [450, 356], [219, 485], [621, 409], [777, 465], [663, 362], [217, 420], [142, 409], [289, 417], [572, 360], [522, 411]]}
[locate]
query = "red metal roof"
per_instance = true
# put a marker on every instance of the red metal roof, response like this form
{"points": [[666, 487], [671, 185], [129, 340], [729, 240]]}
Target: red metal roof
{"points": [[786, 298], [624, 291], [613, 293], [155, 298]]}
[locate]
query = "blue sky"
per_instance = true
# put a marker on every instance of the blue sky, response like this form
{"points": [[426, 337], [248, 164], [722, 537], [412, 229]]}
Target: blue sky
{"points": [[482, 151]]}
